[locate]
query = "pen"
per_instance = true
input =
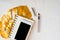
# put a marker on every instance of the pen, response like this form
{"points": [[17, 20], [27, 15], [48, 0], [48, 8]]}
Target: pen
{"points": [[35, 14], [38, 22], [34, 11]]}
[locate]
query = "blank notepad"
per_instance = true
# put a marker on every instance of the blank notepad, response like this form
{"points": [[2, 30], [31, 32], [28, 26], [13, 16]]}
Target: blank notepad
{"points": [[21, 29]]}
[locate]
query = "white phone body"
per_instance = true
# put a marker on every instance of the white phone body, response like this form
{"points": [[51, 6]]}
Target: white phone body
{"points": [[18, 20]]}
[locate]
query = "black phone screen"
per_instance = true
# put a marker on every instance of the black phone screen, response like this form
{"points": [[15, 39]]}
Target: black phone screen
{"points": [[22, 31]]}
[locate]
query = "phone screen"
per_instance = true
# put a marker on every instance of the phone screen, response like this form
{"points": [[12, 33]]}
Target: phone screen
{"points": [[22, 31]]}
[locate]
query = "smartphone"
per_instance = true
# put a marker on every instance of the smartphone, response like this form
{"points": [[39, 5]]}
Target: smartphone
{"points": [[22, 28]]}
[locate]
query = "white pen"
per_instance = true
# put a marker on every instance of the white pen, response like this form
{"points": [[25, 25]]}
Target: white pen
{"points": [[35, 14], [38, 22]]}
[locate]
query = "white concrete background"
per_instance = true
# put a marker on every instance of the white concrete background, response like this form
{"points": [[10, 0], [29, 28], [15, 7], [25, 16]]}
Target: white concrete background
{"points": [[50, 16]]}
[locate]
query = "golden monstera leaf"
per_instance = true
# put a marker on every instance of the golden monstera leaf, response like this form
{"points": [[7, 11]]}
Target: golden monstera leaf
{"points": [[7, 20]]}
